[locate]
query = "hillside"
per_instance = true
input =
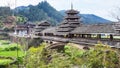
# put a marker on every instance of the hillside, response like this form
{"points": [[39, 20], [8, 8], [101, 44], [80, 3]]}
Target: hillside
{"points": [[93, 19], [42, 11]]}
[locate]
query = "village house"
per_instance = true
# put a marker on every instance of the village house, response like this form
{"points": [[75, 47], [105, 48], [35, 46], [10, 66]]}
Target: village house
{"points": [[24, 29]]}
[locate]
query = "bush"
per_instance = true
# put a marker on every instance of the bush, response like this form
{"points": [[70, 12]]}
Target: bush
{"points": [[12, 48], [5, 61], [102, 56]]}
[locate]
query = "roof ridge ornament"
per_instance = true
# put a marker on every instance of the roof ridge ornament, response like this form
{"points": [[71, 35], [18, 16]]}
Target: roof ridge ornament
{"points": [[71, 5]]}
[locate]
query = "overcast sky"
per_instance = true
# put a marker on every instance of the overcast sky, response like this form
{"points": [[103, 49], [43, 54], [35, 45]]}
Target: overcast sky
{"points": [[102, 8]]}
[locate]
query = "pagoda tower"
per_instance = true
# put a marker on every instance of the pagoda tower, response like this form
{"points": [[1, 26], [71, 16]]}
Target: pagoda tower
{"points": [[71, 21]]}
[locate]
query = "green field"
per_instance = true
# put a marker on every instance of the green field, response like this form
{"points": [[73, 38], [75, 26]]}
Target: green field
{"points": [[8, 49], [5, 61], [11, 54]]}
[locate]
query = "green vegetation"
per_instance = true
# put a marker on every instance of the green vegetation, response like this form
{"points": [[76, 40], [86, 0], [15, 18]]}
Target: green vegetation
{"points": [[100, 56], [42, 11], [8, 52], [5, 61], [11, 54]]}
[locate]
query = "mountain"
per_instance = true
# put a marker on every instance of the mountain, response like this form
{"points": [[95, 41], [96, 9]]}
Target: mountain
{"points": [[42, 11], [22, 8], [93, 19], [90, 18], [51, 12]]}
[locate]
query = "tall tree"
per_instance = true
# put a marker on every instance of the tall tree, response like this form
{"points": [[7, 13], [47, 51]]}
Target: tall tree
{"points": [[5, 11]]}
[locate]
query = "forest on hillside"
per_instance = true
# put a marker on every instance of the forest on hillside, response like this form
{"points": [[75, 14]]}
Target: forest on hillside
{"points": [[42, 11]]}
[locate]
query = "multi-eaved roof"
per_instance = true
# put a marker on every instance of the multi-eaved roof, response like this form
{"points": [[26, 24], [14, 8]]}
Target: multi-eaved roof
{"points": [[40, 27]]}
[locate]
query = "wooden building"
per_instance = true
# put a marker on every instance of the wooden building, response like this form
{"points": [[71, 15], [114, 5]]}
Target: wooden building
{"points": [[71, 21], [24, 29], [98, 30], [40, 27]]}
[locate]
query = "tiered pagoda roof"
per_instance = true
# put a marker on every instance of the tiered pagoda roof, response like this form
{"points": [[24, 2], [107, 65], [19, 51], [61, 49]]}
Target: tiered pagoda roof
{"points": [[41, 26], [72, 11], [70, 22]]}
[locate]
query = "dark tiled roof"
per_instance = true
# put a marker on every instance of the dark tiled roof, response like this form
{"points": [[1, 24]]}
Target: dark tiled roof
{"points": [[43, 23], [84, 29], [72, 11], [49, 30], [41, 26], [64, 22], [21, 27], [94, 29], [68, 29], [68, 25], [62, 33], [54, 31], [73, 17]]}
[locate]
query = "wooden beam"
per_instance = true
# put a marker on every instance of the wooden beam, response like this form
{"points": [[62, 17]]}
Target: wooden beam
{"points": [[99, 36], [111, 37]]}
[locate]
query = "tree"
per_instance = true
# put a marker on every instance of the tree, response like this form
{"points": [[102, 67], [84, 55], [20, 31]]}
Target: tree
{"points": [[41, 57], [102, 56], [21, 19], [53, 13], [5, 11]]}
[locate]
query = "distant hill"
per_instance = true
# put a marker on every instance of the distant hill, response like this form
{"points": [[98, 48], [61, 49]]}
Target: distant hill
{"points": [[22, 8], [93, 19], [90, 18], [42, 11]]}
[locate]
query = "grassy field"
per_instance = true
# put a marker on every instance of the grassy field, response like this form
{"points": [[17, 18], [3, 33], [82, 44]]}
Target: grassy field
{"points": [[8, 49], [11, 54], [5, 61]]}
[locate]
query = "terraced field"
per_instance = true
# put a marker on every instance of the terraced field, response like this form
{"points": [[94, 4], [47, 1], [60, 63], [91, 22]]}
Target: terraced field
{"points": [[9, 52]]}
